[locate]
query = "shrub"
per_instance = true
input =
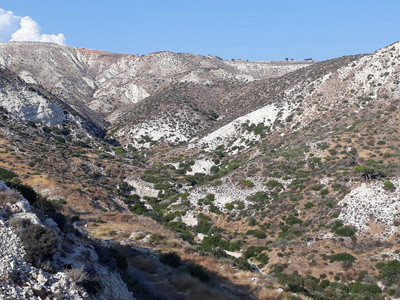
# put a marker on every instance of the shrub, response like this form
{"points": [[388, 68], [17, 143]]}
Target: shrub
{"points": [[26, 191], [39, 242], [198, 272], [9, 196], [156, 238], [76, 274], [214, 169], [229, 206], [257, 233], [324, 192], [389, 186], [263, 258], [291, 220], [204, 225], [59, 139], [251, 221], [317, 187], [171, 259], [7, 175], [260, 196], [46, 129], [341, 230], [253, 251], [122, 263], [274, 184], [59, 218], [358, 287], [19, 224], [325, 283], [342, 257], [308, 205], [390, 272], [91, 286], [246, 183], [187, 236]]}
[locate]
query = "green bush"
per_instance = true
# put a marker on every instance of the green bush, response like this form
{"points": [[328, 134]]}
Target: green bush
{"points": [[342, 257], [325, 283], [171, 259], [253, 251], [341, 230], [229, 206], [59, 139], [156, 238], [389, 186], [261, 197], [251, 221], [91, 286], [390, 272], [291, 220], [324, 192], [198, 272], [246, 183], [187, 236], [122, 263], [257, 233], [309, 205], [39, 242], [274, 184], [46, 129], [358, 287], [263, 258], [7, 175], [317, 187], [203, 226]]}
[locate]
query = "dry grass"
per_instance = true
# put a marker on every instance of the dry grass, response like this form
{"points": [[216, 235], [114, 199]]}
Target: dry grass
{"points": [[9, 196], [196, 289], [270, 294], [185, 283], [144, 264], [274, 294], [76, 274]]}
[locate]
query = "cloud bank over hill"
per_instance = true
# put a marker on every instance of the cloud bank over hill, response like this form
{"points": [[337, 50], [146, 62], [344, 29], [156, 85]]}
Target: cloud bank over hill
{"points": [[16, 28]]}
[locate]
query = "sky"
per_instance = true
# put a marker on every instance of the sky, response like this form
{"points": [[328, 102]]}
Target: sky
{"points": [[234, 29]]}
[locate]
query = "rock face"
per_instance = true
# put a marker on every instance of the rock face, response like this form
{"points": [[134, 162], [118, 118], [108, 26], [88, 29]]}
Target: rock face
{"points": [[19, 100]]}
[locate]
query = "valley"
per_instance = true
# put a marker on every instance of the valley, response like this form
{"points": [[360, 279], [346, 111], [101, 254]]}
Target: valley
{"points": [[204, 177]]}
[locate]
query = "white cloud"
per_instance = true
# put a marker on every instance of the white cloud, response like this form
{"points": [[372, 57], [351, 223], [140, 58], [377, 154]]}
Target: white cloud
{"points": [[9, 23], [16, 28]]}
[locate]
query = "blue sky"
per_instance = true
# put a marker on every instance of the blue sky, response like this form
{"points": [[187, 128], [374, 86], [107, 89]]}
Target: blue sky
{"points": [[253, 30]]}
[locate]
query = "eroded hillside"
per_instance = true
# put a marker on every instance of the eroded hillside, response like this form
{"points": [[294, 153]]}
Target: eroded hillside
{"points": [[266, 176]]}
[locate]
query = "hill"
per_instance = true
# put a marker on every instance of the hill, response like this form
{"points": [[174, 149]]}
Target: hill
{"points": [[266, 174]]}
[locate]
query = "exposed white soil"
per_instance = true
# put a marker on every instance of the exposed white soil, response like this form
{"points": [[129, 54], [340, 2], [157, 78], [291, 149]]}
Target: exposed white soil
{"points": [[201, 166], [30, 106], [234, 135], [370, 203], [229, 192], [174, 128]]}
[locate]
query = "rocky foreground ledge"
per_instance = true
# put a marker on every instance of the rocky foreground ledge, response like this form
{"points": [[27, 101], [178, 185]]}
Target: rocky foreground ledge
{"points": [[60, 277]]}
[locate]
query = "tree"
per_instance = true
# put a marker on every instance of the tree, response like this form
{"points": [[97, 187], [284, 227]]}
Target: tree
{"points": [[366, 172]]}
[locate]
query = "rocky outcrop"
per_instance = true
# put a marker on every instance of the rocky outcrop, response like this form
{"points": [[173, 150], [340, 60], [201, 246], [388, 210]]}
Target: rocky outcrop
{"points": [[21, 280]]}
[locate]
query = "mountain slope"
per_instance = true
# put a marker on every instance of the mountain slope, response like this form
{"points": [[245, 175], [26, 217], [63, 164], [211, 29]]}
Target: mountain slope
{"points": [[106, 81], [267, 182]]}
